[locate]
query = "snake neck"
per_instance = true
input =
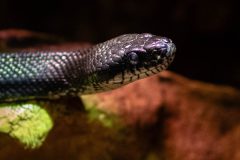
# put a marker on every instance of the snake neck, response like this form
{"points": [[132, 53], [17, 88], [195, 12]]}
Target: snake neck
{"points": [[93, 72]]}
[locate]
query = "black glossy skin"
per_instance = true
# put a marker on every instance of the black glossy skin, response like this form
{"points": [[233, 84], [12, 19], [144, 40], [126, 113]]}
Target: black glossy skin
{"points": [[104, 66]]}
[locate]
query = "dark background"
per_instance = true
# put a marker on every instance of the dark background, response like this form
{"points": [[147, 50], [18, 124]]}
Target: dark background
{"points": [[206, 32]]}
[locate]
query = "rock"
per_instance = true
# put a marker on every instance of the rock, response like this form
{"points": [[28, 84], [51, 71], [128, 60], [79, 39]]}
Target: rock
{"points": [[195, 120], [162, 116]]}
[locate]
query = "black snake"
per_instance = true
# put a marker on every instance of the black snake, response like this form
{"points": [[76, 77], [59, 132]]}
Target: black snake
{"points": [[105, 66]]}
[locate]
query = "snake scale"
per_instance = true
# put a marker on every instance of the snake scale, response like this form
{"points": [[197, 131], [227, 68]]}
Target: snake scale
{"points": [[105, 66]]}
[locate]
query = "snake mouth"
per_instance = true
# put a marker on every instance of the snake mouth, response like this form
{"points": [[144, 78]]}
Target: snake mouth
{"points": [[146, 69], [157, 64]]}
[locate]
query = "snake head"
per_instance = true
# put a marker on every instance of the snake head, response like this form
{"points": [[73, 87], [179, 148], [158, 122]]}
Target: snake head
{"points": [[133, 56], [141, 54], [148, 53]]}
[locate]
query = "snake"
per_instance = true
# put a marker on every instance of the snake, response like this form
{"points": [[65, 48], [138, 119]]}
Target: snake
{"points": [[101, 67]]}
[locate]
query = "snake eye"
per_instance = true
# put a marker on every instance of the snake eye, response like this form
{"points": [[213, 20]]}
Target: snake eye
{"points": [[164, 50], [133, 58]]}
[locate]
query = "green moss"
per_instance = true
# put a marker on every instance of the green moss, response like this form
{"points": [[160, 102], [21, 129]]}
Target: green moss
{"points": [[96, 114], [29, 123], [107, 120]]}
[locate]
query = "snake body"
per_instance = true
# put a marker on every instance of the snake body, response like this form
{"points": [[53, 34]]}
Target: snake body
{"points": [[105, 66]]}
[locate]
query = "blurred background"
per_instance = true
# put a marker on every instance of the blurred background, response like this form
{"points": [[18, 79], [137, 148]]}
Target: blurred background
{"points": [[206, 32]]}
